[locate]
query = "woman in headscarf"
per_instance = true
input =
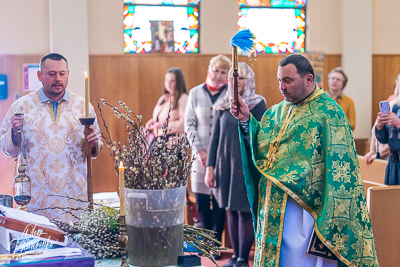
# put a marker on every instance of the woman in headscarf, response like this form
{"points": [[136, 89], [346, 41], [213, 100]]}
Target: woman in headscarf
{"points": [[224, 170], [198, 126]]}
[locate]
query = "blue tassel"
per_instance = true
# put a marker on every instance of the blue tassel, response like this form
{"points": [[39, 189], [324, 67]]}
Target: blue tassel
{"points": [[245, 41]]}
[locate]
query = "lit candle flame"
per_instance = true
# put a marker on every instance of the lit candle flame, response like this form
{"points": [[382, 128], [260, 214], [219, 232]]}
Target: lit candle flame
{"points": [[85, 74], [121, 164]]}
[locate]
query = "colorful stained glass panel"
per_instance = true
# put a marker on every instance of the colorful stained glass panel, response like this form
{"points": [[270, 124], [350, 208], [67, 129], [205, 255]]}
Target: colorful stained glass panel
{"points": [[272, 3], [138, 32], [278, 30], [163, 2]]}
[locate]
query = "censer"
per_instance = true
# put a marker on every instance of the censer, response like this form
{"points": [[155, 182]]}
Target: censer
{"points": [[22, 182]]}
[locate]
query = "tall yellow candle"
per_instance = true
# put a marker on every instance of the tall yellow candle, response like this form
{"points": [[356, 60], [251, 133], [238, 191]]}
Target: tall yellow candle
{"points": [[86, 96], [121, 189]]}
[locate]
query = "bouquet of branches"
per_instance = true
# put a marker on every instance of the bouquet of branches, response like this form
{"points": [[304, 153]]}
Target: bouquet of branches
{"points": [[159, 165]]}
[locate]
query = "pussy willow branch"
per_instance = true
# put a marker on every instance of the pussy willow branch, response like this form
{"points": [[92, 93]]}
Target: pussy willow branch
{"points": [[68, 210], [106, 138], [64, 209]]}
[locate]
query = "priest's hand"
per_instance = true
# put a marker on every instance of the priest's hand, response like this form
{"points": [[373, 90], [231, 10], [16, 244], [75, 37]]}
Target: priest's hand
{"points": [[209, 178], [16, 123], [93, 138], [244, 112]]}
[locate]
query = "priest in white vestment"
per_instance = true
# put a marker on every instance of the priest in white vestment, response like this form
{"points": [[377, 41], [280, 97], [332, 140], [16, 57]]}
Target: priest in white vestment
{"points": [[53, 140]]}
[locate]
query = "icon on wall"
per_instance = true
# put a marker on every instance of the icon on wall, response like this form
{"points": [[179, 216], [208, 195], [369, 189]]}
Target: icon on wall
{"points": [[31, 81], [162, 36], [317, 61]]}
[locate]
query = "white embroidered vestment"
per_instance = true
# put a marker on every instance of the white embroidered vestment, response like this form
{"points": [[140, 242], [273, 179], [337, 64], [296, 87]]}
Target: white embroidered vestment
{"points": [[54, 149]]}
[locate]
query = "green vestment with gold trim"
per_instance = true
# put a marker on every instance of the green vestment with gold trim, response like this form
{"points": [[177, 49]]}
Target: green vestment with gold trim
{"points": [[307, 151]]}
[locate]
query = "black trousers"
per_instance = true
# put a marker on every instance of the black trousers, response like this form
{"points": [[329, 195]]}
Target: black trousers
{"points": [[211, 219]]}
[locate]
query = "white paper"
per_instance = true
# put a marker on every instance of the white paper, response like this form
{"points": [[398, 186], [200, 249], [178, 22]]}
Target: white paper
{"points": [[26, 217], [110, 199]]}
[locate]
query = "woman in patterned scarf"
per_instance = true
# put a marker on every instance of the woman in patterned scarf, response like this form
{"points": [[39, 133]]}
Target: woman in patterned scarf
{"points": [[224, 170]]}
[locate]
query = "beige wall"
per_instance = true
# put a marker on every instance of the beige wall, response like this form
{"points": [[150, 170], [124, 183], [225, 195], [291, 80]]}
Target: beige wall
{"points": [[324, 30], [24, 27], [385, 27], [105, 27], [357, 60]]}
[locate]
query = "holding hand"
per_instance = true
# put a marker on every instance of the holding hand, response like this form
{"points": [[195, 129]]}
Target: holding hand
{"points": [[152, 125], [202, 156], [209, 178], [16, 122], [389, 118], [148, 124], [93, 138], [369, 157], [244, 112]]}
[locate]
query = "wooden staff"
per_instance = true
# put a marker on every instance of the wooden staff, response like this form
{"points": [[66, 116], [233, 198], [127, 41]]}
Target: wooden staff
{"points": [[235, 78], [88, 149]]}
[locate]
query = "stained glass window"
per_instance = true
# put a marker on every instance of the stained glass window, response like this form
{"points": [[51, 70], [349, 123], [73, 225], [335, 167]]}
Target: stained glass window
{"points": [[273, 3], [163, 2], [279, 25], [161, 26]]}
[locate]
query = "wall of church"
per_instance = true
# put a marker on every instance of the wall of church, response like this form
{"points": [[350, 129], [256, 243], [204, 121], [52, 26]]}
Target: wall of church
{"points": [[385, 27], [218, 24], [24, 26]]}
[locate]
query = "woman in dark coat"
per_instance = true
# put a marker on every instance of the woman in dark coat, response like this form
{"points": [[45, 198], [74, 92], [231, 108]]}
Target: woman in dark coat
{"points": [[387, 131], [224, 170]]}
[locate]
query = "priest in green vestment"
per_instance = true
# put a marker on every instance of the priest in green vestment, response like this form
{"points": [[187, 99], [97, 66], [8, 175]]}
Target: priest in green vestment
{"points": [[302, 156]]}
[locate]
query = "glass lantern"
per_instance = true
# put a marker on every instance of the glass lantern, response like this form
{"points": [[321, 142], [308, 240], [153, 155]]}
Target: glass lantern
{"points": [[22, 188]]}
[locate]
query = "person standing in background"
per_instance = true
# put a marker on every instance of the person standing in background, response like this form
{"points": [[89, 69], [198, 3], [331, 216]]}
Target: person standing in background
{"points": [[199, 126], [376, 149], [224, 169], [175, 94], [337, 81], [387, 132]]}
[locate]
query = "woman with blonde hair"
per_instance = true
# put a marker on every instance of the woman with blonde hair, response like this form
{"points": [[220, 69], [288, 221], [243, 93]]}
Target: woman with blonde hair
{"points": [[199, 126], [387, 131], [224, 170], [378, 150]]}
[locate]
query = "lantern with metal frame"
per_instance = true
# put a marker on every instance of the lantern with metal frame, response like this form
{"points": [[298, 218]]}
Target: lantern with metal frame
{"points": [[22, 183]]}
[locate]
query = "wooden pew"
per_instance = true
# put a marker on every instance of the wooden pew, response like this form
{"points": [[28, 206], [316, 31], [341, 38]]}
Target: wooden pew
{"points": [[384, 209], [373, 174]]}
